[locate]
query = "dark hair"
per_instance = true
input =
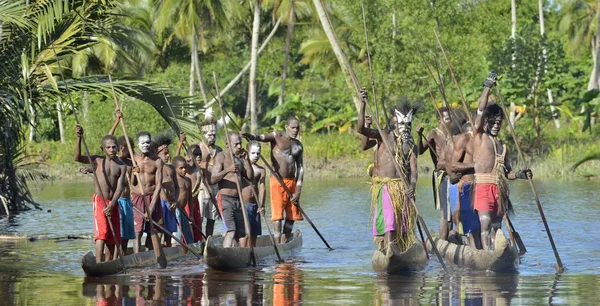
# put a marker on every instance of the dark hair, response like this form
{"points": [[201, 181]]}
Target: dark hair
{"points": [[194, 150], [122, 143], [291, 118], [444, 109], [108, 137], [162, 139], [492, 110], [454, 128], [252, 143], [178, 160], [143, 133], [466, 126]]}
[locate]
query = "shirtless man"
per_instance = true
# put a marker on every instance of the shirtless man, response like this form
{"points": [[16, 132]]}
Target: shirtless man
{"points": [[385, 179], [208, 208], [491, 165], [184, 198], [170, 190], [225, 173], [125, 206], [254, 205], [459, 157], [110, 172], [150, 170], [287, 159], [438, 138]]}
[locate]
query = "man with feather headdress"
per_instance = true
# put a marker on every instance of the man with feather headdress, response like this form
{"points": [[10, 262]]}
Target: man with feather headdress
{"points": [[394, 216]]}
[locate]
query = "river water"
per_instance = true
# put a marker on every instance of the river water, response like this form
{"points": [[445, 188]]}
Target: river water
{"points": [[49, 273]]}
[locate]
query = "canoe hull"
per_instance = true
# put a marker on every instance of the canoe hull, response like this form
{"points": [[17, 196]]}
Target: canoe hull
{"points": [[139, 260], [504, 257], [412, 260], [236, 258]]}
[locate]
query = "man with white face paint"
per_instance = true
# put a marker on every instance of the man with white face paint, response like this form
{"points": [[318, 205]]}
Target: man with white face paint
{"points": [[394, 216], [208, 209], [436, 141], [492, 167], [287, 159], [150, 171], [254, 204]]}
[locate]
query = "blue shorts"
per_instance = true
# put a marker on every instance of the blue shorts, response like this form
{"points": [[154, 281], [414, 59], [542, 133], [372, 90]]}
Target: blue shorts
{"points": [[468, 217], [185, 227], [253, 219], [453, 197], [126, 213], [170, 223]]}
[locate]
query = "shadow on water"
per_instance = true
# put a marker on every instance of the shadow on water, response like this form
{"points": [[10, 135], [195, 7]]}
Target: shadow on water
{"points": [[49, 272]]}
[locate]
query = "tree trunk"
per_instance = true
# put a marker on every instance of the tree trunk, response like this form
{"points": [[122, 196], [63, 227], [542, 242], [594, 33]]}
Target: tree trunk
{"points": [[253, 65], [192, 82], [32, 121], [593, 83], [59, 112], [196, 63], [513, 37], [238, 77], [545, 61], [596, 48], [349, 76], [288, 42], [85, 100]]}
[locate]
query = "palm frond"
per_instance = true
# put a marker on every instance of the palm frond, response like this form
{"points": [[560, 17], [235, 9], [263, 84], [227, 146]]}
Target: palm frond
{"points": [[590, 157]]}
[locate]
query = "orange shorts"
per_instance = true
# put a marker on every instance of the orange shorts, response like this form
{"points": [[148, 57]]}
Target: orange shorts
{"points": [[101, 228], [280, 201]]}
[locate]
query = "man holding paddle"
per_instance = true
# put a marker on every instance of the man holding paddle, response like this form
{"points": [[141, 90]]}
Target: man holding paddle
{"points": [[225, 171], [206, 192], [492, 167], [287, 158], [110, 172], [394, 216]]}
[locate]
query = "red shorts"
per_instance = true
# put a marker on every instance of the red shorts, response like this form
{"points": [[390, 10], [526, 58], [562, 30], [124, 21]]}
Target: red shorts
{"points": [[101, 228], [197, 219], [486, 197]]}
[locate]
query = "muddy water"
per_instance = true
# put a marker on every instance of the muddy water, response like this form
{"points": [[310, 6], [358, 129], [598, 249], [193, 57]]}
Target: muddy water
{"points": [[48, 272]]}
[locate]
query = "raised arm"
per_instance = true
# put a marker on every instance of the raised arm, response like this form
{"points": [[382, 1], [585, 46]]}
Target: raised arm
{"points": [[182, 139], [269, 137], [483, 100], [77, 156], [361, 129], [119, 115], [365, 142]]}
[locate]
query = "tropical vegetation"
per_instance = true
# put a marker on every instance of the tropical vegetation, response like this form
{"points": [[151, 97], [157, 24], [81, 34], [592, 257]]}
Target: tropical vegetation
{"points": [[275, 58]]}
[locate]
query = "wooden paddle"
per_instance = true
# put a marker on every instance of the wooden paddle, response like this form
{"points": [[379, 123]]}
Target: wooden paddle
{"points": [[560, 266], [158, 250], [238, 183], [118, 250]]}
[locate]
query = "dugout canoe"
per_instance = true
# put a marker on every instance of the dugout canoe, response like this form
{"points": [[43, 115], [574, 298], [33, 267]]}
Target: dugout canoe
{"points": [[504, 257], [412, 260], [139, 260], [236, 258]]}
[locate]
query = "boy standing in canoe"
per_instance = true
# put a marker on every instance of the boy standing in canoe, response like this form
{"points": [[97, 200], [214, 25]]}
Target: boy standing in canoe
{"points": [[254, 203], [110, 172], [225, 174], [492, 167], [287, 159], [184, 198], [169, 193]]}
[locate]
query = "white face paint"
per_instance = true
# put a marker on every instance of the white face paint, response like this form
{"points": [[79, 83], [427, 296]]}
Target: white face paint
{"points": [[209, 132], [403, 121], [144, 143], [254, 153]]}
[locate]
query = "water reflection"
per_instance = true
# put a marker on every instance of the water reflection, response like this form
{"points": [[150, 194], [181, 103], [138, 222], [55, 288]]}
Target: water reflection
{"points": [[287, 285]]}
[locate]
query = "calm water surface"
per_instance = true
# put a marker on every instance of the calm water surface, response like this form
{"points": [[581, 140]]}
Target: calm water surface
{"points": [[49, 272]]}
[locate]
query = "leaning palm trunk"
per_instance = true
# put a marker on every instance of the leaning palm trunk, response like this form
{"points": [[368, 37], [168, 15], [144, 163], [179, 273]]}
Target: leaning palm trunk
{"points": [[59, 113], [286, 58], [253, 65], [513, 37], [349, 77], [238, 77], [196, 63]]}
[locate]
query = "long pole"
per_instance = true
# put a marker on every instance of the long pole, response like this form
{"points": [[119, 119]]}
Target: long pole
{"points": [[237, 176], [560, 266], [362, 5], [158, 250], [288, 191], [118, 251]]}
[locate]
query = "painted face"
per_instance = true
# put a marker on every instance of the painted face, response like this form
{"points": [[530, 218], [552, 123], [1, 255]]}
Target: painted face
{"points": [[445, 117], [254, 153], [144, 144], [209, 132], [293, 128], [110, 148], [163, 153], [236, 143], [403, 122], [493, 125]]}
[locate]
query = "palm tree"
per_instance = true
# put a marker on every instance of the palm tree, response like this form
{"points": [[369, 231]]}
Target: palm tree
{"points": [[192, 21], [579, 20], [253, 65]]}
